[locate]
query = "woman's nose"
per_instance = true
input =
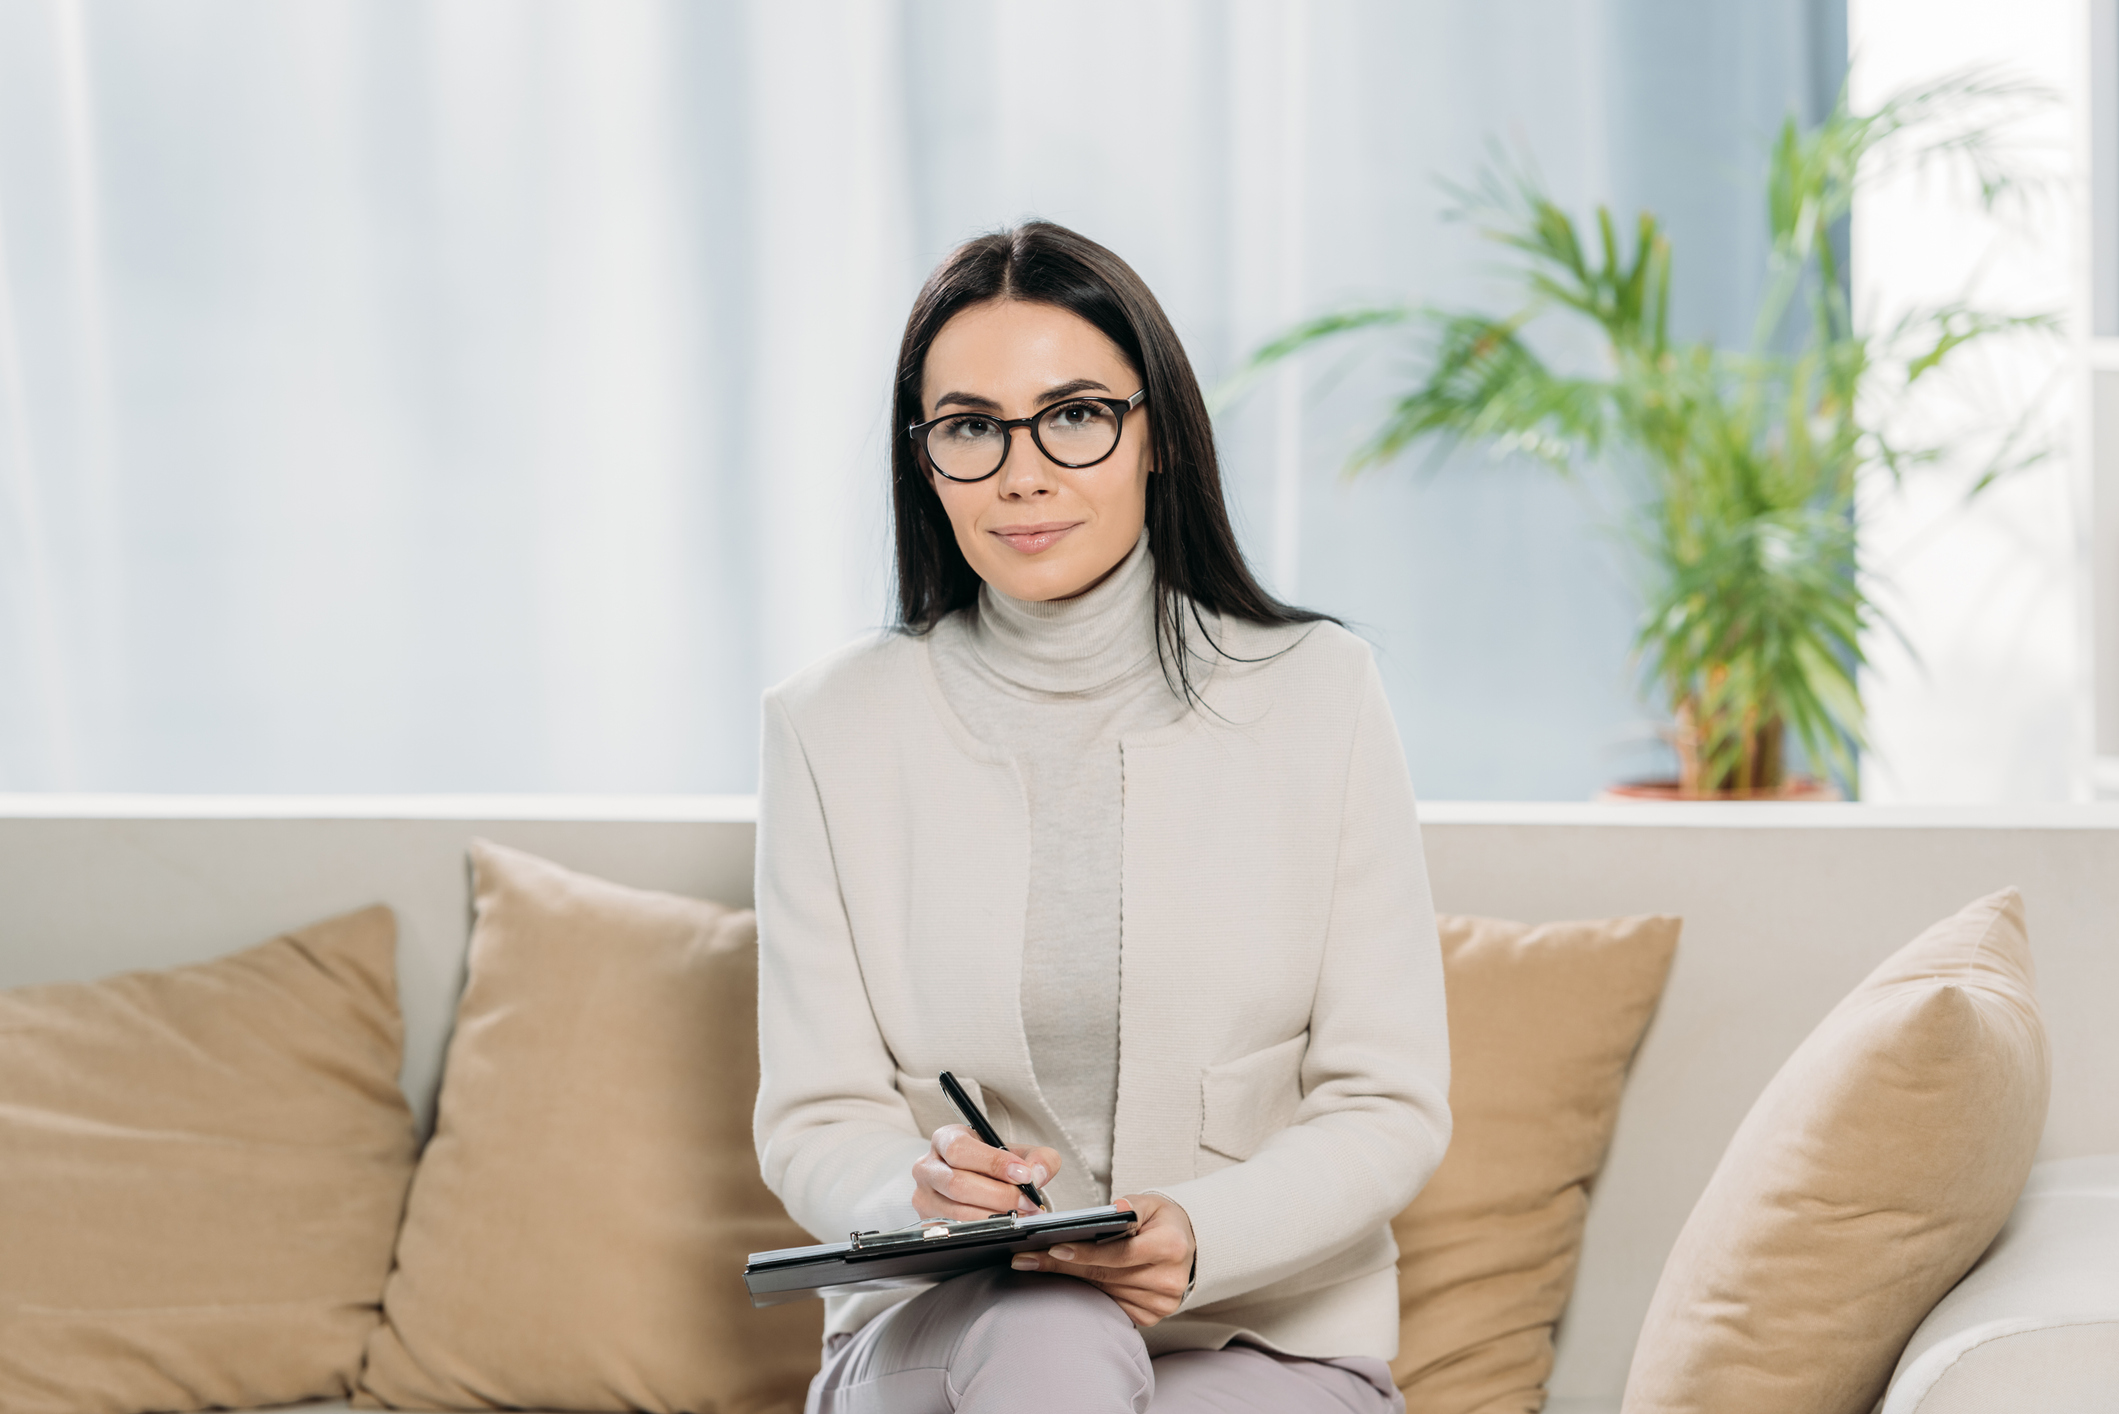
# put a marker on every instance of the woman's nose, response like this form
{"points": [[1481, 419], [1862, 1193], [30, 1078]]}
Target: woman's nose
{"points": [[1027, 471]]}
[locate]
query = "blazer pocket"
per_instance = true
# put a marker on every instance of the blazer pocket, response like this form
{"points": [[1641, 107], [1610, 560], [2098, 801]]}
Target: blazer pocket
{"points": [[1246, 1101], [931, 1108]]}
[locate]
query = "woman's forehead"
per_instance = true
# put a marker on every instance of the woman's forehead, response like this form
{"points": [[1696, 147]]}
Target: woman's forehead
{"points": [[1009, 349]]}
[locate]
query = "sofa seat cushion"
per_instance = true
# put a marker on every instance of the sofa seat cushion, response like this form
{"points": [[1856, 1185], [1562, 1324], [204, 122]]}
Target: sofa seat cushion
{"points": [[2036, 1324], [340, 1406]]}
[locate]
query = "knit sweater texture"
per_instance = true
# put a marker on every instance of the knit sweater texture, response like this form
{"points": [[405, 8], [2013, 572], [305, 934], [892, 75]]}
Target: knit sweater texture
{"points": [[1056, 685]]}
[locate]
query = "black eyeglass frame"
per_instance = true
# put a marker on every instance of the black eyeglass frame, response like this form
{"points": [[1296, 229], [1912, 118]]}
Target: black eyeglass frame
{"points": [[1119, 408]]}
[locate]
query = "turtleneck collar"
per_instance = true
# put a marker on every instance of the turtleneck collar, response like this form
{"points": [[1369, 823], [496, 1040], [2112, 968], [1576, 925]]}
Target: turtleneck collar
{"points": [[1072, 645]]}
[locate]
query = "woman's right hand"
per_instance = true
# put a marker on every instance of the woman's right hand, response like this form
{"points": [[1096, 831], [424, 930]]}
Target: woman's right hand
{"points": [[960, 1179]]}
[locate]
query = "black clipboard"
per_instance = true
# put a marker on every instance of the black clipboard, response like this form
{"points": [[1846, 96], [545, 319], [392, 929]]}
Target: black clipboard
{"points": [[876, 1261]]}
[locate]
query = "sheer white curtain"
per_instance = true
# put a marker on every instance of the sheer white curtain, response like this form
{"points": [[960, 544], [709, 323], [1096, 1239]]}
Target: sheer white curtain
{"points": [[490, 394], [1980, 689]]}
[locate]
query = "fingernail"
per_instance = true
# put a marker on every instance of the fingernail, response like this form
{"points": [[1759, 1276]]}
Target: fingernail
{"points": [[1023, 1262], [1063, 1253], [1019, 1173], [1038, 1175]]}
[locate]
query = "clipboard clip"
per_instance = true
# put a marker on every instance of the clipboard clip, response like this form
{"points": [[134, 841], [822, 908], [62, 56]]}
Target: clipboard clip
{"points": [[928, 1230]]}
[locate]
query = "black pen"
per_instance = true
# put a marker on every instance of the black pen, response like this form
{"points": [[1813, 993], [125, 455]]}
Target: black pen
{"points": [[981, 1127]]}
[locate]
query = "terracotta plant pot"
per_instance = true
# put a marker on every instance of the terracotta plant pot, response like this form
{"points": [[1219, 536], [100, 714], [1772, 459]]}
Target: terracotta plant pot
{"points": [[1791, 789]]}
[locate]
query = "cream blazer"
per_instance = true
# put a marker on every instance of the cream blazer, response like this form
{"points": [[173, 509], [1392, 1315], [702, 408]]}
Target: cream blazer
{"points": [[1283, 1047]]}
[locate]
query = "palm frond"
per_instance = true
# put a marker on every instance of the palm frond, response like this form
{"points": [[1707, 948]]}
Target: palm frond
{"points": [[1939, 331], [1300, 339], [1484, 384]]}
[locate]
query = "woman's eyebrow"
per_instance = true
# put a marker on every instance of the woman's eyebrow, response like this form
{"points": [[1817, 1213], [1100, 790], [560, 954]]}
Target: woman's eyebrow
{"points": [[1050, 395], [969, 400], [1068, 390]]}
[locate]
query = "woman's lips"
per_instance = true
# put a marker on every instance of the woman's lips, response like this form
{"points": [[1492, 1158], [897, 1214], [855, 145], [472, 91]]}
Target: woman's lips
{"points": [[1034, 539]]}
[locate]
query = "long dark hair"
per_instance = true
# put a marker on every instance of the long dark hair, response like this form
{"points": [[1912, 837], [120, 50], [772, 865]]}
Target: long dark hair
{"points": [[1197, 563]]}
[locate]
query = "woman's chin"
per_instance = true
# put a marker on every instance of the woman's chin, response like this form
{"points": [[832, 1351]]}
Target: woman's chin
{"points": [[1042, 581]]}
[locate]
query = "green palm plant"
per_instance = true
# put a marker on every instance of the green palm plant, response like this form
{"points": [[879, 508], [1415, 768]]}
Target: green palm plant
{"points": [[1741, 466]]}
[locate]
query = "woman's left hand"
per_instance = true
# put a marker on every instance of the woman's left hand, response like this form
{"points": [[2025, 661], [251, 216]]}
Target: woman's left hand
{"points": [[1146, 1274]]}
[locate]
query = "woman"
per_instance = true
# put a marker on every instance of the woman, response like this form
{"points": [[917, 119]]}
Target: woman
{"points": [[1130, 847]]}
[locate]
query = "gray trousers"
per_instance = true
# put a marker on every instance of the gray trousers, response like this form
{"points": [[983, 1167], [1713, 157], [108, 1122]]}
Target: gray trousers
{"points": [[1036, 1343]]}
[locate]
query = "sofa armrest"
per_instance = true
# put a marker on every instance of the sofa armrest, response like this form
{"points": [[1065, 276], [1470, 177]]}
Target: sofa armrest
{"points": [[2035, 1325]]}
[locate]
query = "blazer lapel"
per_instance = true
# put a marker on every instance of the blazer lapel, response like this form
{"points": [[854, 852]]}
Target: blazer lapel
{"points": [[971, 857], [1156, 1130]]}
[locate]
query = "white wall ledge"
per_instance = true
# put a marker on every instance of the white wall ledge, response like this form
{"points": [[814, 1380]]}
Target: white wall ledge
{"points": [[683, 809], [742, 809], [1753, 815]]}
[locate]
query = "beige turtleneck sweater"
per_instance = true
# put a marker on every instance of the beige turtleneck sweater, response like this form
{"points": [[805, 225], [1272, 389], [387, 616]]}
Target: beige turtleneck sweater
{"points": [[1056, 685]]}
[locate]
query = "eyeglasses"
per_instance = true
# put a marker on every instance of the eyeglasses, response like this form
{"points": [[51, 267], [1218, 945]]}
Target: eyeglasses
{"points": [[970, 446]]}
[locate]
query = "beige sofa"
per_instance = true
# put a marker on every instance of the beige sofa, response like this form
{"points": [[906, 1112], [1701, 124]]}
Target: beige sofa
{"points": [[1785, 908]]}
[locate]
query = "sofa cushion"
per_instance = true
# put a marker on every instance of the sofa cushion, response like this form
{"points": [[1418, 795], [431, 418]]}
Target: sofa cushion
{"points": [[1543, 1022], [1870, 1174], [201, 1172], [576, 1233], [2036, 1324]]}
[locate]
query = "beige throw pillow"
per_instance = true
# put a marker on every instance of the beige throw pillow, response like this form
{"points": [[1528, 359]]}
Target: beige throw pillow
{"points": [[576, 1234], [1868, 1177], [201, 1172], [1543, 1023]]}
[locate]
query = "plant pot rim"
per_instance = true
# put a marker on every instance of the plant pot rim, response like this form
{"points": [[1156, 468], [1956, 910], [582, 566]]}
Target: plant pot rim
{"points": [[1795, 788]]}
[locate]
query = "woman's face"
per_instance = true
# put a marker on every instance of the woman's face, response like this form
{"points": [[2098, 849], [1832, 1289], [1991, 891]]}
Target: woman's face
{"points": [[1036, 529]]}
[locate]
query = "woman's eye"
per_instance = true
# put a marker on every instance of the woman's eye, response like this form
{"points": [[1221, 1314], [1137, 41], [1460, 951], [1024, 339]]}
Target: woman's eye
{"points": [[963, 429]]}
